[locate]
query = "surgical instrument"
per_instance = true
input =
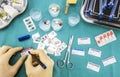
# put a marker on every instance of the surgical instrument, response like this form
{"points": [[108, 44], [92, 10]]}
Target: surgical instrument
{"points": [[100, 10], [110, 5], [104, 5], [61, 63], [113, 11], [90, 7]]}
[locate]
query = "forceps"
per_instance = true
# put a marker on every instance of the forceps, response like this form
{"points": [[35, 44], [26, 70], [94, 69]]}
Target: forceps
{"points": [[113, 11], [104, 5], [61, 63], [100, 10], [110, 5], [90, 7]]}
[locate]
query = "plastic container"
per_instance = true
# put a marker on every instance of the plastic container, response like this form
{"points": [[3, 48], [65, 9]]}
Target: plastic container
{"points": [[57, 24], [54, 10], [36, 14], [44, 25], [73, 19]]}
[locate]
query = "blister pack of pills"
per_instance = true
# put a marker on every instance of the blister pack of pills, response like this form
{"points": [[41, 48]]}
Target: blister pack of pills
{"points": [[104, 12]]}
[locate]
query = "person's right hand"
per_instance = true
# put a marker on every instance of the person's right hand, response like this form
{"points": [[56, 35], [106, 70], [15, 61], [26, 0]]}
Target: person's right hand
{"points": [[38, 71]]}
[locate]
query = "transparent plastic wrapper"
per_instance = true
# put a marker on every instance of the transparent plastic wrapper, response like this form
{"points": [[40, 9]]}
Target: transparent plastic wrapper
{"points": [[103, 12]]}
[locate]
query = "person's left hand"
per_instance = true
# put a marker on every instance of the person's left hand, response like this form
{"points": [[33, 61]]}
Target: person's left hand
{"points": [[7, 70]]}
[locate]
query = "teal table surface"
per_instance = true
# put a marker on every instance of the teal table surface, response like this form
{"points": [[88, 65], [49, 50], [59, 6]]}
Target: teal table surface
{"points": [[9, 36]]}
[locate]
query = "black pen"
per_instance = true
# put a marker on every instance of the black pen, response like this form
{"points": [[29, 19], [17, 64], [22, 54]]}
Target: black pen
{"points": [[37, 60]]}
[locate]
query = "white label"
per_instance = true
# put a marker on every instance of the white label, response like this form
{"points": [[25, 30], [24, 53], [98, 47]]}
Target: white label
{"points": [[61, 47], [41, 46], [78, 52], [93, 66], [52, 34], [109, 61], [56, 42], [25, 51], [51, 49], [57, 53], [94, 52], [84, 41]]}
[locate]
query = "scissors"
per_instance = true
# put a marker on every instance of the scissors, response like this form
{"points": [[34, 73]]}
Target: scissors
{"points": [[61, 63]]}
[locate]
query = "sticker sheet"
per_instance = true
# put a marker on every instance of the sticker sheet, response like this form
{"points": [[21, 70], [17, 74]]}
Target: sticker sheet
{"points": [[29, 24], [51, 43], [105, 38]]}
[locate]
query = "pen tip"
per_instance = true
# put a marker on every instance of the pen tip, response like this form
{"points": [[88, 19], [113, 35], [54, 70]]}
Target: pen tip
{"points": [[44, 67]]}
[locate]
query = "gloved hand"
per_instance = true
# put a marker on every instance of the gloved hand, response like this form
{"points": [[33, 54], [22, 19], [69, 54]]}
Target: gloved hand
{"points": [[38, 71], [7, 70]]}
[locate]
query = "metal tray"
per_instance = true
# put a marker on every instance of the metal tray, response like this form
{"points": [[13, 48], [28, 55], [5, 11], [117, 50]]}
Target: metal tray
{"points": [[94, 15]]}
